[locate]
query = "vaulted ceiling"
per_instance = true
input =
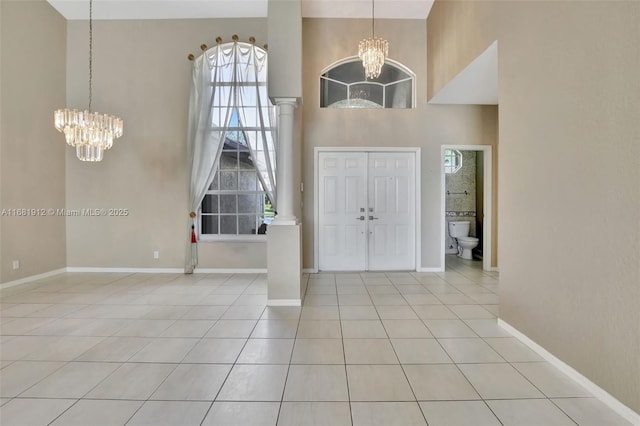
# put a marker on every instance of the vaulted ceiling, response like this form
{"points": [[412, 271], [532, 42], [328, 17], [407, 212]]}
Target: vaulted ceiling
{"points": [[475, 85]]}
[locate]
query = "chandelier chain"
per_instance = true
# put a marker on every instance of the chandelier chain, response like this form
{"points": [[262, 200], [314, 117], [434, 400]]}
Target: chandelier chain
{"points": [[373, 18], [90, 52], [373, 50]]}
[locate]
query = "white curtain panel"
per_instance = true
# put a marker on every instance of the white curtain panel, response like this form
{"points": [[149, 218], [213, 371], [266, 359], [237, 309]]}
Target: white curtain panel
{"points": [[228, 76], [256, 113]]}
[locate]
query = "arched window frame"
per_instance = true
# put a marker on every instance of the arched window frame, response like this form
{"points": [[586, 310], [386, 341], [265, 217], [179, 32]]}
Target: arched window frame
{"points": [[388, 62], [231, 119]]}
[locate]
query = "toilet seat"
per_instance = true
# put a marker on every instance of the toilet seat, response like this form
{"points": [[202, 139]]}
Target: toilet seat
{"points": [[466, 245], [469, 239]]}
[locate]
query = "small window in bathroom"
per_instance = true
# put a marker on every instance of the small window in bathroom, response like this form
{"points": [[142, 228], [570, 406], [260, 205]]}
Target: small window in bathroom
{"points": [[452, 161]]}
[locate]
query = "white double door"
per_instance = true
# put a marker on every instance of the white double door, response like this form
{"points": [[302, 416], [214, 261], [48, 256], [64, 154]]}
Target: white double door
{"points": [[366, 211]]}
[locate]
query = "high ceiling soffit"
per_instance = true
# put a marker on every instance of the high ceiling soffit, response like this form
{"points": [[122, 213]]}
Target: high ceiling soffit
{"points": [[199, 9], [477, 84]]}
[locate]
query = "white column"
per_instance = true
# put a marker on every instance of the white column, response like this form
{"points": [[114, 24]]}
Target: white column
{"points": [[285, 185]]}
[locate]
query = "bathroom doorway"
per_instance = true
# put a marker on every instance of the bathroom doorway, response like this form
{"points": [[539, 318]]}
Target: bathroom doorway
{"points": [[467, 195]]}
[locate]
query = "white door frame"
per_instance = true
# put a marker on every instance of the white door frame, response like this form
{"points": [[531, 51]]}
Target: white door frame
{"points": [[487, 231], [316, 195]]}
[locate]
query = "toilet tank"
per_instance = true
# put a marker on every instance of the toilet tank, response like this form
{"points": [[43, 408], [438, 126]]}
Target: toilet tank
{"points": [[459, 228]]}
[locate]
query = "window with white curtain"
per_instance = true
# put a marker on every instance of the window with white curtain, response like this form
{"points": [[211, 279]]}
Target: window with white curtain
{"points": [[236, 202], [232, 141]]}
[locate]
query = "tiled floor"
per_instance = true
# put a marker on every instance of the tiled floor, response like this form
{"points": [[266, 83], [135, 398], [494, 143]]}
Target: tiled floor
{"points": [[366, 349]]}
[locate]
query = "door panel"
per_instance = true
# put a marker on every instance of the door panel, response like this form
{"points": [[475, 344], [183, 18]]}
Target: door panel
{"points": [[366, 211], [341, 197], [392, 198]]}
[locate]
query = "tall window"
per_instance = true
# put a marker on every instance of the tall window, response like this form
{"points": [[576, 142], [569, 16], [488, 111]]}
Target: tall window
{"points": [[236, 202], [345, 85], [232, 134]]}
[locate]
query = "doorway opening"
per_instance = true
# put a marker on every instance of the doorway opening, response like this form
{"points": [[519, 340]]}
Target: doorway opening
{"points": [[366, 209], [467, 196]]}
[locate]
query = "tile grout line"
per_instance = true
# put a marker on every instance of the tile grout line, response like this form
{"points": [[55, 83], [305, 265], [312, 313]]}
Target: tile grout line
{"points": [[286, 378], [215, 398], [344, 352], [406, 377]]}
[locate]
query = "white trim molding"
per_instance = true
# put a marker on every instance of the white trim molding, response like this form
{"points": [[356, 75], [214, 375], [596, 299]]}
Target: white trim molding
{"points": [[230, 271], [33, 278], [169, 270], [284, 302], [126, 270], [596, 390], [430, 269], [487, 231]]}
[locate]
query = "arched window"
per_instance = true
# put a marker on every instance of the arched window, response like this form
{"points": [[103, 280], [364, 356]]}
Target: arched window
{"points": [[344, 85], [232, 137]]}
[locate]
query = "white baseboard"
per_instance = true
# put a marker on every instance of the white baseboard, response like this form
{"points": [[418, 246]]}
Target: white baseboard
{"points": [[284, 302], [126, 270], [33, 278], [230, 271], [430, 269], [315, 270], [493, 269], [596, 390], [168, 270]]}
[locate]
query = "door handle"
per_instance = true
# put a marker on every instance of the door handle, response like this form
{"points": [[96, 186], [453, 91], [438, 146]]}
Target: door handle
{"points": [[360, 218], [373, 218]]}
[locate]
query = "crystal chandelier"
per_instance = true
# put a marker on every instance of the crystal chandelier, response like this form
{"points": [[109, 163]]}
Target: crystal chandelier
{"points": [[373, 50], [89, 132]]}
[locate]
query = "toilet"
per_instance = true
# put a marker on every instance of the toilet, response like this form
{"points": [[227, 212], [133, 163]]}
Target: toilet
{"points": [[460, 231]]}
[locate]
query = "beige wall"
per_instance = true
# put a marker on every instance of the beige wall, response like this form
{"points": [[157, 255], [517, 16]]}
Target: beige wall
{"points": [[148, 86], [326, 41], [569, 173], [285, 48], [142, 74], [31, 150]]}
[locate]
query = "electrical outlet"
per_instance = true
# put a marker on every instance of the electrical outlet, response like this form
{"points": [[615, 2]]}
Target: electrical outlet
{"points": [[156, 254], [16, 264]]}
